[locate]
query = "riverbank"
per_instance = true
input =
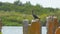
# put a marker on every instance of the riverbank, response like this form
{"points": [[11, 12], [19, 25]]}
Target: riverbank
{"points": [[0, 32]]}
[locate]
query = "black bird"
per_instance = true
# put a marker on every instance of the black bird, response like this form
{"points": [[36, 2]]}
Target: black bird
{"points": [[35, 16]]}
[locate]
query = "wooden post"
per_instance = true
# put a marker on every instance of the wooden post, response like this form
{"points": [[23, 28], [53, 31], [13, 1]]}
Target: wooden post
{"points": [[49, 25], [56, 24], [52, 24], [25, 26], [36, 27], [29, 26], [57, 31]]}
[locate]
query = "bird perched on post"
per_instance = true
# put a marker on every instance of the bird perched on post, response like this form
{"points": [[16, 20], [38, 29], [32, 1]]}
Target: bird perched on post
{"points": [[35, 16]]}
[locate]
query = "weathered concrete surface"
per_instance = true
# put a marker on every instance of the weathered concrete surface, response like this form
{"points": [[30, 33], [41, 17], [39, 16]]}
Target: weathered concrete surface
{"points": [[25, 26]]}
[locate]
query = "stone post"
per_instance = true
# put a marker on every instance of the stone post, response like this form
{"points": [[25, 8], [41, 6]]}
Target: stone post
{"points": [[25, 26]]}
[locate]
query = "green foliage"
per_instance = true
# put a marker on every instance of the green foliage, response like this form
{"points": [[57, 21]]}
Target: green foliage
{"points": [[18, 3], [12, 14], [0, 32]]}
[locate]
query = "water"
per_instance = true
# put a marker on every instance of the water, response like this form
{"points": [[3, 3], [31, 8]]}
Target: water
{"points": [[44, 30], [17, 30]]}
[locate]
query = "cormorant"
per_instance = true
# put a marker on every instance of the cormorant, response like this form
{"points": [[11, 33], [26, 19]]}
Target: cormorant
{"points": [[35, 16]]}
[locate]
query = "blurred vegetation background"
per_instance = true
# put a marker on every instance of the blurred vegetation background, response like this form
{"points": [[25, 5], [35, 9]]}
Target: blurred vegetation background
{"points": [[12, 14]]}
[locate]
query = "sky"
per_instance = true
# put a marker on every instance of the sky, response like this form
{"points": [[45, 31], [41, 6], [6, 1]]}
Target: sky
{"points": [[44, 3]]}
